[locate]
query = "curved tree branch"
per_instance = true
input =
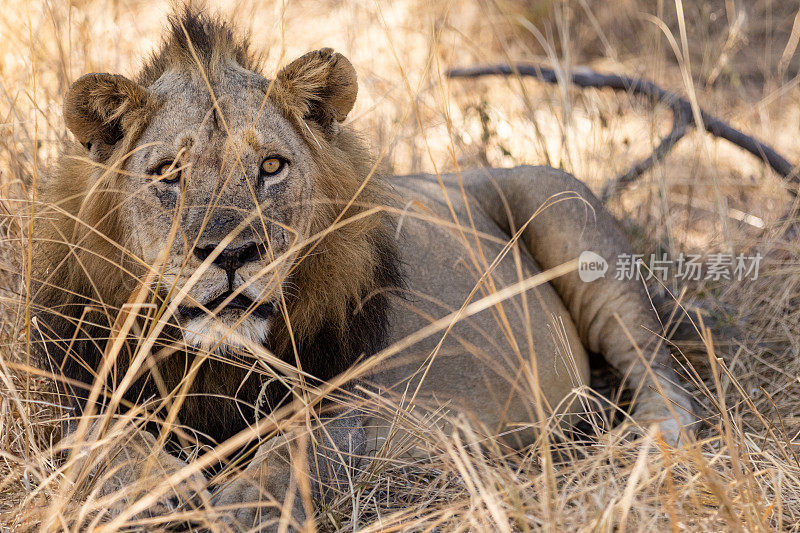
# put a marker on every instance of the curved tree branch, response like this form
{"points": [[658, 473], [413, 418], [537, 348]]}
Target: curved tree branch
{"points": [[682, 119], [680, 125]]}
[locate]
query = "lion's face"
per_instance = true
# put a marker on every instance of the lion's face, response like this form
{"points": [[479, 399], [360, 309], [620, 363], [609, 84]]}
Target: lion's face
{"points": [[217, 196], [217, 183]]}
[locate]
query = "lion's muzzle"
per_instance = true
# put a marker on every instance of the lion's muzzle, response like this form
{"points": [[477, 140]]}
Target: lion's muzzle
{"points": [[228, 301]]}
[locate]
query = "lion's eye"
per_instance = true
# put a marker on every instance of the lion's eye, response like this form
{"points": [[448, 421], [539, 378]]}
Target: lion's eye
{"points": [[271, 165], [168, 172]]}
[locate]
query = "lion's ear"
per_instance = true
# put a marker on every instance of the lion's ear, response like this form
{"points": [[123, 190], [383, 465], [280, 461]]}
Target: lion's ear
{"points": [[97, 110], [321, 86]]}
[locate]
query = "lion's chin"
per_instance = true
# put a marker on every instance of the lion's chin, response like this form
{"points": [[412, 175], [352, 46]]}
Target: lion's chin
{"points": [[221, 334]]}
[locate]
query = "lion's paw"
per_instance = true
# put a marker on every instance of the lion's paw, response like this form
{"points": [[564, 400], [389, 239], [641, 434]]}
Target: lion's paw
{"points": [[244, 505], [674, 432], [132, 474]]}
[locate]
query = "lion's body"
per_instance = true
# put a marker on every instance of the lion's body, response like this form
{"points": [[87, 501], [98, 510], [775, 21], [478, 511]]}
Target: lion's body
{"points": [[332, 263], [492, 351]]}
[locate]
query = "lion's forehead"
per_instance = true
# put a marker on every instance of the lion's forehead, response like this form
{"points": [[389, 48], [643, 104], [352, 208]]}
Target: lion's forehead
{"points": [[232, 122], [229, 78]]}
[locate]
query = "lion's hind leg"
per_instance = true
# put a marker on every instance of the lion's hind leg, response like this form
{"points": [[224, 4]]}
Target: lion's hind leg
{"points": [[562, 221]]}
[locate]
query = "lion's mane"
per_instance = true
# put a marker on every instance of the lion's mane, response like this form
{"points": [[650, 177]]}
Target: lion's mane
{"points": [[82, 276]]}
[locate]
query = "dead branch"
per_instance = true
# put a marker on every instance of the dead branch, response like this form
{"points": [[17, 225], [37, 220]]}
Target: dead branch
{"points": [[682, 119]]}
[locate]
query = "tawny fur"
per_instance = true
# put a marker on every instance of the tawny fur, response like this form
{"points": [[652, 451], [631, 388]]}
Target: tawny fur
{"points": [[80, 240]]}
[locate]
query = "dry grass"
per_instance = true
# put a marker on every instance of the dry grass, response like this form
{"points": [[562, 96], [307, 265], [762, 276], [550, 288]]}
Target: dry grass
{"points": [[744, 472]]}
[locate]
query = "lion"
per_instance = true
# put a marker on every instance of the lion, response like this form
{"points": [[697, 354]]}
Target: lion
{"points": [[210, 237]]}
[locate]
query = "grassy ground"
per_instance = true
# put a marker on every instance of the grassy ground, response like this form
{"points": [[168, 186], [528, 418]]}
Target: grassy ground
{"points": [[738, 59]]}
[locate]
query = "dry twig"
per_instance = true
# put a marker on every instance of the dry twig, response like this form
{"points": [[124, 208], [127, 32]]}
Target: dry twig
{"points": [[682, 119]]}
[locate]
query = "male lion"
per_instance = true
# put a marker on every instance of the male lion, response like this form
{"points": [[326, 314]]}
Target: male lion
{"points": [[205, 217]]}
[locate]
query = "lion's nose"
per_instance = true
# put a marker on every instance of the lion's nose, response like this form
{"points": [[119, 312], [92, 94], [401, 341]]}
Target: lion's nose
{"points": [[232, 258]]}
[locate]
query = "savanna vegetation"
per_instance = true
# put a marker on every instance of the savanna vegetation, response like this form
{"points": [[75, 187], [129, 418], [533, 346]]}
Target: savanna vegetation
{"points": [[735, 341]]}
